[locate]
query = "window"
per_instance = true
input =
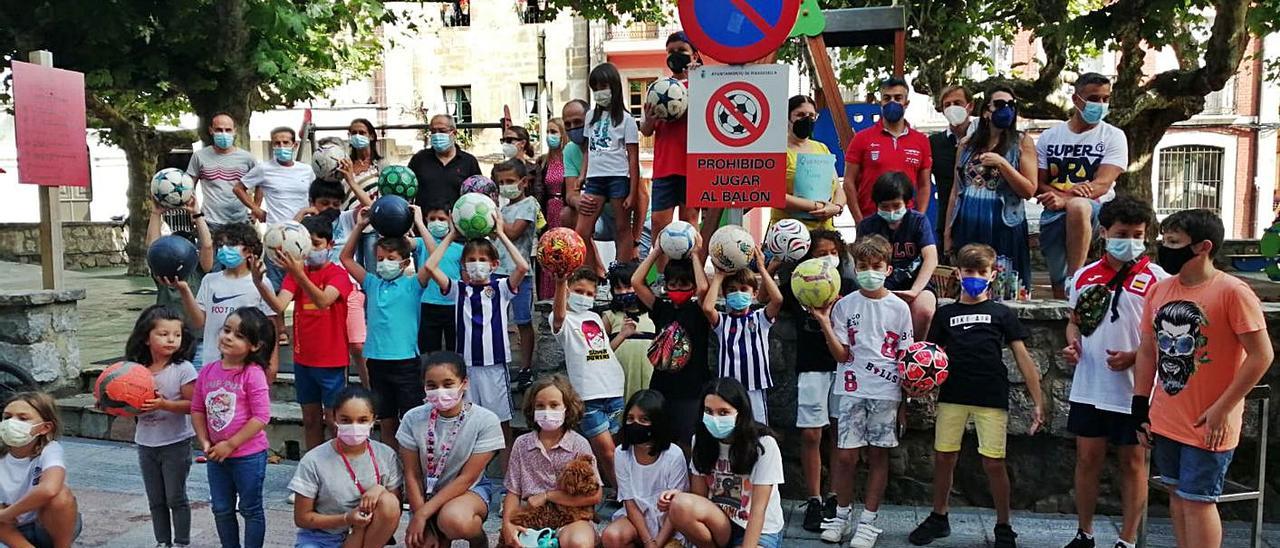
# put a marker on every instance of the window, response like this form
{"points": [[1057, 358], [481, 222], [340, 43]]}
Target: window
{"points": [[456, 13], [1190, 178], [638, 87], [457, 103], [529, 92], [532, 11]]}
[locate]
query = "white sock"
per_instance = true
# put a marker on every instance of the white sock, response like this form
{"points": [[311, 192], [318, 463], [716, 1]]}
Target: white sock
{"points": [[1086, 534], [867, 516], [843, 512]]}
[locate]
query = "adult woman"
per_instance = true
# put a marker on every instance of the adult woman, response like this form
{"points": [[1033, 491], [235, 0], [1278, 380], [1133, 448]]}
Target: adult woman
{"points": [[548, 188], [361, 172], [516, 145], [995, 174], [816, 212]]}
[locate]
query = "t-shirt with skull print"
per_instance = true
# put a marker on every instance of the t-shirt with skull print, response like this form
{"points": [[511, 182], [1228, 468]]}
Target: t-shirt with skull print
{"points": [[594, 370]]}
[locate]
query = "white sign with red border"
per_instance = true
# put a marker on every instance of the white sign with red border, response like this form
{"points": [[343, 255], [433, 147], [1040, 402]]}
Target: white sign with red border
{"points": [[738, 136]]}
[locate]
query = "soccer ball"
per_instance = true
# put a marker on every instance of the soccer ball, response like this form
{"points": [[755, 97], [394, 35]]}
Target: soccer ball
{"points": [[390, 216], [473, 215], [667, 100], [731, 248], [815, 282], [481, 185], [788, 238], [923, 368], [747, 106], [289, 237], [561, 251], [122, 389], [677, 239], [172, 256], [172, 187], [325, 162], [398, 181]]}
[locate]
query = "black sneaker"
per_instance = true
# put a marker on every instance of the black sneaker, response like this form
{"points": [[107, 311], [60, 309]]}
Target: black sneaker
{"points": [[1081, 541], [935, 526], [1006, 538], [813, 515], [523, 380], [829, 505]]}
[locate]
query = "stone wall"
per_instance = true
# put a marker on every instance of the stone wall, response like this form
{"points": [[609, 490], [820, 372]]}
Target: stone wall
{"points": [[88, 244], [38, 335]]}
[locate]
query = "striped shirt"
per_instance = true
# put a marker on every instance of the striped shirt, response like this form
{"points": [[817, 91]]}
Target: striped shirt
{"points": [[481, 319], [744, 348]]}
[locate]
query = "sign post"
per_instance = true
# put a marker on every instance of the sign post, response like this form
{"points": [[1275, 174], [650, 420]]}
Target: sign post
{"points": [[49, 119], [737, 136]]}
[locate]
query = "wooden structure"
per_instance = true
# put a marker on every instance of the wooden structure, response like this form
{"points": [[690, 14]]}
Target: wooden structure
{"points": [[855, 27]]}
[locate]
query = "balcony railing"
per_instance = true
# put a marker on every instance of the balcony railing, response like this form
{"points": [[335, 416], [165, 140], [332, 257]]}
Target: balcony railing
{"points": [[533, 11], [639, 31], [456, 14]]}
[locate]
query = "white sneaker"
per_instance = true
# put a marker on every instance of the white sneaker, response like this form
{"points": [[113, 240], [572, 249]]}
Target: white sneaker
{"points": [[834, 529], [292, 497], [866, 536]]}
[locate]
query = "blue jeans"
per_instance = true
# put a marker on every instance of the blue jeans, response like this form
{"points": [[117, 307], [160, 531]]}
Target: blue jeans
{"points": [[318, 538], [239, 479], [1195, 474], [275, 274], [1053, 242]]}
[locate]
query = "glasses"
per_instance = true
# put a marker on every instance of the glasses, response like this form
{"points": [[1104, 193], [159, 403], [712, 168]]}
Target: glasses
{"points": [[1180, 345], [1001, 103]]}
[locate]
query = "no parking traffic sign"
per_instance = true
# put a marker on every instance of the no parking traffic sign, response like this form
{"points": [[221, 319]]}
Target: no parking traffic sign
{"points": [[738, 31], [737, 136]]}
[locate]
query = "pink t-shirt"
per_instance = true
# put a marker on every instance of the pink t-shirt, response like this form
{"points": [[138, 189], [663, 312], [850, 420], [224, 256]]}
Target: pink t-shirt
{"points": [[228, 398], [533, 469]]}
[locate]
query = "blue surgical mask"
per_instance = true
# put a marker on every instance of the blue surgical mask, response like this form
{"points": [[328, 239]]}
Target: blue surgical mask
{"points": [[282, 154], [553, 142], [438, 229], [1094, 112], [738, 300], [974, 285], [580, 303], [578, 136], [224, 140], [316, 258], [892, 216], [359, 141], [229, 257], [720, 427], [893, 111], [440, 142], [871, 280], [389, 269], [1126, 249], [1003, 118]]}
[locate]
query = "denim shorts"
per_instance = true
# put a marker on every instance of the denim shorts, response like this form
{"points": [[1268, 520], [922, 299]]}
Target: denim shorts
{"points": [[602, 415], [1193, 473], [37, 535], [668, 192], [522, 304], [318, 538], [318, 384], [609, 187], [767, 540], [1053, 243]]}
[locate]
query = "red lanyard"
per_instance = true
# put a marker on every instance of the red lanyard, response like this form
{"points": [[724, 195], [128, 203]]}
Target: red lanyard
{"points": [[377, 475], [435, 465]]}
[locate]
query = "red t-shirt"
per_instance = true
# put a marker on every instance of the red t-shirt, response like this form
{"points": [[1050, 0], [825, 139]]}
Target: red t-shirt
{"points": [[320, 336], [670, 146], [876, 152]]}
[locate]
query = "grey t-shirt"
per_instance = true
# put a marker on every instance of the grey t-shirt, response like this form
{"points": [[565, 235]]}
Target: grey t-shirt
{"points": [[481, 432], [217, 175], [525, 209], [160, 428], [323, 477]]}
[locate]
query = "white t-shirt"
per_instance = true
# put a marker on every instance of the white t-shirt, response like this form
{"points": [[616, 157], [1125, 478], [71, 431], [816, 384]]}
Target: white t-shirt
{"points": [[161, 428], [17, 476], [874, 330], [642, 483], [607, 145], [1094, 383], [732, 492], [593, 369], [1073, 158], [524, 209], [287, 188], [221, 295], [323, 476]]}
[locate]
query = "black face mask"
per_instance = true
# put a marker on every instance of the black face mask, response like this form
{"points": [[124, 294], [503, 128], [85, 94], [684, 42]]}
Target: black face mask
{"points": [[802, 128], [678, 62], [577, 136], [1172, 259], [637, 433], [625, 302]]}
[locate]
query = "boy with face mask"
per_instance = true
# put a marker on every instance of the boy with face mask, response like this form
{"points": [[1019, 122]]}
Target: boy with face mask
{"points": [[914, 254], [281, 189], [1205, 339], [436, 328], [743, 334], [630, 329], [670, 141]]}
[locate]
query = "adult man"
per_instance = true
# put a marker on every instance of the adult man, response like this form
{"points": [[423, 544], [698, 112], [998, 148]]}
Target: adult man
{"points": [[442, 168], [282, 184], [955, 103], [574, 114], [1079, 162], [889, 145], [217, 169]]}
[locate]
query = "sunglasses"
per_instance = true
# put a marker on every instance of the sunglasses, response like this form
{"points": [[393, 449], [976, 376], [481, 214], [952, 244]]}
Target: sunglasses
{"points": [[510, 140], [1001, 103]]}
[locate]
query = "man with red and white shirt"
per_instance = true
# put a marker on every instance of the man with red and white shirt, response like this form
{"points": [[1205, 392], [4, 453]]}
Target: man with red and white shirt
{"points": [[1107, 297], [889, 145]]}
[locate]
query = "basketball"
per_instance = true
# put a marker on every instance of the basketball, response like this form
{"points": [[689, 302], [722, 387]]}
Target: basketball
{"points": [[667, 99], [290, 238], [172, 256], [473, 215], [326, 162], [398, 181], [731, 248], [815, 282], [677, 239], [789, 239], [561, 251], [122, 388], [480, 184], [390, 216], [172, 187], [923, 368]]}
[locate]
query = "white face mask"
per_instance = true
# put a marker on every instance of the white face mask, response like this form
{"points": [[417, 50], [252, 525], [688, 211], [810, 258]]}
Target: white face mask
{"points": [[955, 114], [15, 432], [479, 271], [603, 98], [580, 303], [510, 192]]}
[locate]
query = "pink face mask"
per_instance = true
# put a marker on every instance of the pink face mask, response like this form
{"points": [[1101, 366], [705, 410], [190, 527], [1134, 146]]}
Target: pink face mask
{"points": [[444, 398], [354, 434]]}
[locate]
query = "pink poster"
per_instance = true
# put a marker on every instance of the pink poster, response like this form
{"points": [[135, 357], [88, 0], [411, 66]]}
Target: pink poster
{"points": [[50, 126]]}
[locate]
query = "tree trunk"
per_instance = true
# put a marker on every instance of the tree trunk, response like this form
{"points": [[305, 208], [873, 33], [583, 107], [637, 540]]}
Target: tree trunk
{"points": [[142, 164]]}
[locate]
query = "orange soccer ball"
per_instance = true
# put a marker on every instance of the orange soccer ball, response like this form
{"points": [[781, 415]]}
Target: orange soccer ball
{"points": [[561, 251], [122, 388]]}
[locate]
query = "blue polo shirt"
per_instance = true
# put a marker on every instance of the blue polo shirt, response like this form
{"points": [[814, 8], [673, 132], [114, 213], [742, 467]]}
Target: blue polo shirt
{"points": [[392, 313], [451, 265]]}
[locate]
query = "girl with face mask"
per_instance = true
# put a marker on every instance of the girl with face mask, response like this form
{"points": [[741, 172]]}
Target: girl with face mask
{"points": [[648, 465], [813, 195], [612, 157], [32, 467], [346, 487]]}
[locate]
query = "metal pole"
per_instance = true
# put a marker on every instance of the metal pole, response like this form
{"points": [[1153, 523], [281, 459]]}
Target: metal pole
{"points": [[51, 246], [542, 84]]}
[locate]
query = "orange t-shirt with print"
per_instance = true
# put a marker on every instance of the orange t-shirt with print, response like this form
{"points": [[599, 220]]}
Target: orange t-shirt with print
{"points": [[1198, 352]]}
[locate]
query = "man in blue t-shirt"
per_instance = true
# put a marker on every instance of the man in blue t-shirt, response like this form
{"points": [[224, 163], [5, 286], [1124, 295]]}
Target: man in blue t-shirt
{"points": [[915, 252]]}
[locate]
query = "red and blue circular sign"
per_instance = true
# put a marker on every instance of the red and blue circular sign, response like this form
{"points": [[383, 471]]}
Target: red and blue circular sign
{"points": [[738, 31]]}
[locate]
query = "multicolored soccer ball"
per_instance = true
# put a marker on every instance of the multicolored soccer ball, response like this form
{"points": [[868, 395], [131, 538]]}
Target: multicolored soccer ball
{"points": [[667, 99], [731, 248], [289, 237], [398, 181], [327, 160], [561, 251], [473, 215], [789, 239], [923, 368], [815, 282], [481, 185], [677, 239], [172, 187], [122, 389]]}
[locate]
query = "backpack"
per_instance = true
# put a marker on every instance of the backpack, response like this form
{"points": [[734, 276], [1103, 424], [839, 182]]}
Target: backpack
{"points": [[670, 349]]}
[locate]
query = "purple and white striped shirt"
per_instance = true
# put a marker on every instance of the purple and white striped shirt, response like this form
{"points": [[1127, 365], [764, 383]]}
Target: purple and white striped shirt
{"points": [[481, 319], [744, 348]]}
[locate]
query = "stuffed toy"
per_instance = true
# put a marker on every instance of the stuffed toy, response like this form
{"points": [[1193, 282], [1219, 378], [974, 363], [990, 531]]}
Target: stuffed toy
{"points": [[577, 479]]}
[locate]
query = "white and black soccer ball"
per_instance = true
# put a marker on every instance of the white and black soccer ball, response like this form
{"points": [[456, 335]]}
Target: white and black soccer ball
{"points": [[326, 161], [789, 239], [289, 237], [745, 105], [667, 99], [172, 187]]}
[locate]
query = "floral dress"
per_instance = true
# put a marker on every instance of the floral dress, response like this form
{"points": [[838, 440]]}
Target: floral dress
{"points": [[552, 199], [987, 211]]}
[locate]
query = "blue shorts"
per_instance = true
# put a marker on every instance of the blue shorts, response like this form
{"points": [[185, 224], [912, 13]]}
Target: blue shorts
{"points": [[609, 187], [318, 538], [668, 192], [318, 384], [483, 489], [522, 304], [1053, 243], [1193, 473], [38, 536], [602, 415], [767, 540]]}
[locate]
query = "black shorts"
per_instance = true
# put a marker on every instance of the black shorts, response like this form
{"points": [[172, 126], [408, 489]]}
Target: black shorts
{"points": [[1087, 421], [398, 384]]}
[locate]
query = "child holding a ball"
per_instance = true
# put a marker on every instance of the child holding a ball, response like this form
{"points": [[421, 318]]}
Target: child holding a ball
{"points": [[743, 333]]}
